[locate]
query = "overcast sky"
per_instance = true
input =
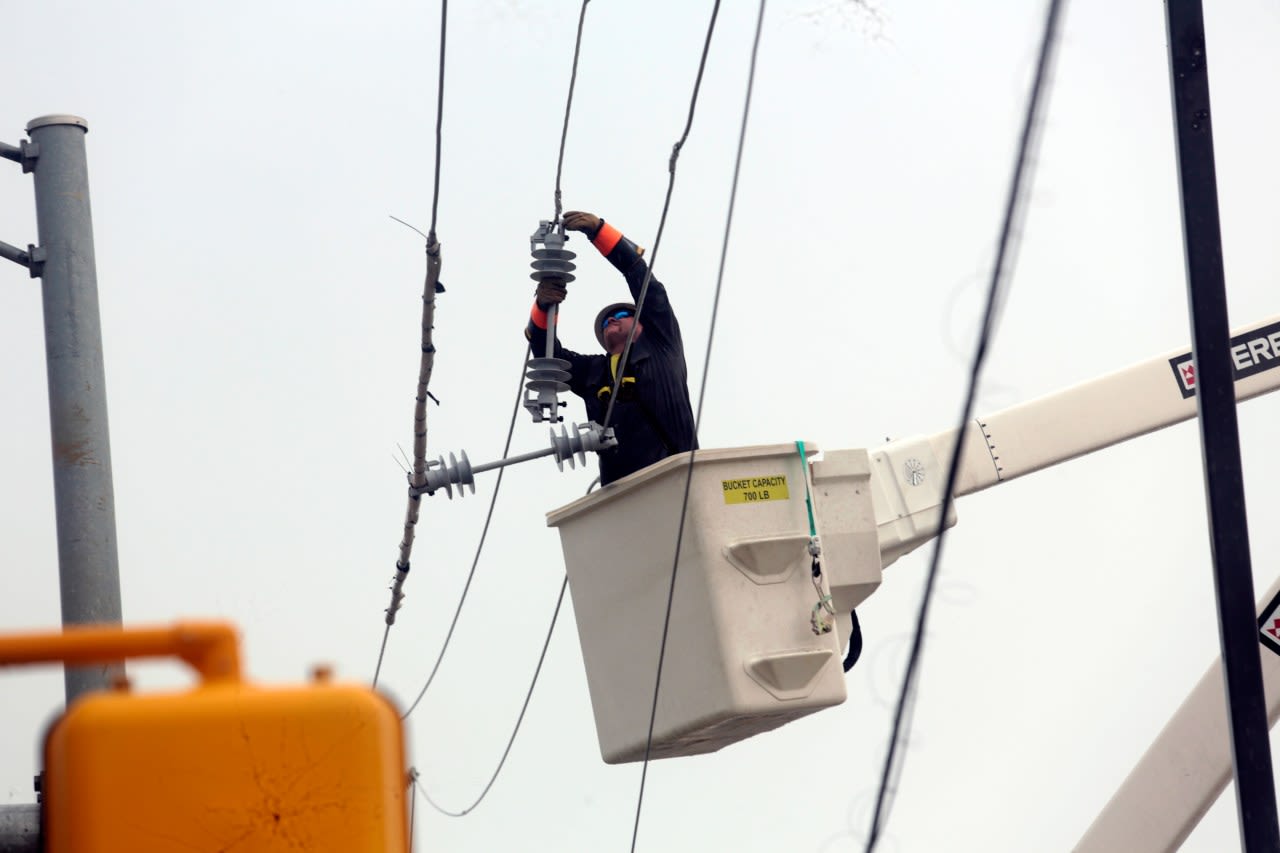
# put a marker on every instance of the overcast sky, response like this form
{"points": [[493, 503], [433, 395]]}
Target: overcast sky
{"points": [[261, 315]]}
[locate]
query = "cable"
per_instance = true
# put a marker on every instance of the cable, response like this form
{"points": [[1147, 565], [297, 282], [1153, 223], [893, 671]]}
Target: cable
{"points": [[497, 486], [382, 650], [413, 805], [529, 695], [520, 719], [1013, 211], [702, 393], [666, 204], [425, 366], [519, 386], [435, 193], [573, 76], [568, 104]]}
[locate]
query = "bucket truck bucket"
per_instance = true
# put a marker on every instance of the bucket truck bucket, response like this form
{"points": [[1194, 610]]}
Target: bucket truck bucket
{"points": [[740, 654]]}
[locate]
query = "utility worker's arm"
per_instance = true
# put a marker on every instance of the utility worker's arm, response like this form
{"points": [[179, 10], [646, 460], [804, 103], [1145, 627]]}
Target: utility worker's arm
{"points": [[656, 315]]}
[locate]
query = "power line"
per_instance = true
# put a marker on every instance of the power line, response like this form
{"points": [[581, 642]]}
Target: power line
{"points": [[497, 486], [382, 650], [426, 365], [435, 192], [568, 105], [413, 805], [702, 393], [666, 204], [1004, 252], [520, 719], [573, 76]]}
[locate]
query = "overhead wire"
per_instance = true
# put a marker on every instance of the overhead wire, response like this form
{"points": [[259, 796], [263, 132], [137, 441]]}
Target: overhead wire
{"points": [[573, 79], [1014, 209], [666, 205], [426, 365], [542, 656], [497, 486], [435, 193], [702, 393], [413, 804], [573, 76], [516, 408]]}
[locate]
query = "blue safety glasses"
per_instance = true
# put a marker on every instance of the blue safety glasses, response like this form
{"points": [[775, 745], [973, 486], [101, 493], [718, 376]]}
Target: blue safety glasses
{"points": [[620, 314]]}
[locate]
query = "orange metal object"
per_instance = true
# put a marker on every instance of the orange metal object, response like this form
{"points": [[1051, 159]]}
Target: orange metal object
{"points": [[224, 766], [210, 648]]}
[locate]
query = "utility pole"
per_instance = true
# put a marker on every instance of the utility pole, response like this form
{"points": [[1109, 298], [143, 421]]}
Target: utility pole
{"points": [[88, 565]]}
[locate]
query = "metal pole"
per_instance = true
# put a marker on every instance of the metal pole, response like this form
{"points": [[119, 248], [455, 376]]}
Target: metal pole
{"points": [[88, 568], [1219, 433]]}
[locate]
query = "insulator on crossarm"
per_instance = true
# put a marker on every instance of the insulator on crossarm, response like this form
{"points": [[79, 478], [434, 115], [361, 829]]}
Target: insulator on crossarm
{"points": [[578, 443], [445, 475]]}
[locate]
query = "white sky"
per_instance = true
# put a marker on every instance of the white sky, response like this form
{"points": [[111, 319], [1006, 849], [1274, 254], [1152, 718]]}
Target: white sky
{"points": [[261, 313]]}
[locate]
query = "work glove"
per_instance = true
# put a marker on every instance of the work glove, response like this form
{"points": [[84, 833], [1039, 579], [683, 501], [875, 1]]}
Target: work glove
{"points": [[550, 292], [587, 223]]}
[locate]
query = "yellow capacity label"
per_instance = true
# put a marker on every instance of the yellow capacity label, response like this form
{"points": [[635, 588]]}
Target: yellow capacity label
{"points": [[755, 489]]}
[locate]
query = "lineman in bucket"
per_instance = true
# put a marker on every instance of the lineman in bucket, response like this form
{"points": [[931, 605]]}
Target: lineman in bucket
{"points": [[652, 418]]}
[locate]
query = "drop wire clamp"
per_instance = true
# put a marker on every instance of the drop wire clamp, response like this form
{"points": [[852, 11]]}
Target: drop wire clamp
{"points": [[547, 375], [565, 447]]}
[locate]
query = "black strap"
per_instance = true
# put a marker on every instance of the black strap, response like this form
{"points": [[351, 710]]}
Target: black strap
{"points": [[648, 415], [855, 643]]}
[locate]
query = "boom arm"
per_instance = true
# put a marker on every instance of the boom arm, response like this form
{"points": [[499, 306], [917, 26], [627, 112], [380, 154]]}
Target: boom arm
{"points": [[1189, 764], [1184, 771], [910, 473], [1106, 411]]}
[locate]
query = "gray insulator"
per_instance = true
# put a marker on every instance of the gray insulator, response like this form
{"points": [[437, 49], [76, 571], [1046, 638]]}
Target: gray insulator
{"points": [[548, 373], [546, 378], [553, 264], [578, 443], [444, 475]]}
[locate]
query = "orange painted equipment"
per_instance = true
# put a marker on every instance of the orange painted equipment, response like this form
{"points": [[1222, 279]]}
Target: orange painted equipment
{"points": [[224, 765]]}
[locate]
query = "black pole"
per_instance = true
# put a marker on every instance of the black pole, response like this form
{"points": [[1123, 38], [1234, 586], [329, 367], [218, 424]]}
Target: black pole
{"points": [[1219, 433]]}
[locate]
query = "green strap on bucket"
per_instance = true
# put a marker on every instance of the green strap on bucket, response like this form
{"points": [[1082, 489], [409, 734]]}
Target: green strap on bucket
{"points": [[808, 503]]}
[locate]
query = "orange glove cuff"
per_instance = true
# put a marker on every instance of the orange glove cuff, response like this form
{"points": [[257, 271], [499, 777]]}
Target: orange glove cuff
{"points": [[606, 238], [538, 316]]}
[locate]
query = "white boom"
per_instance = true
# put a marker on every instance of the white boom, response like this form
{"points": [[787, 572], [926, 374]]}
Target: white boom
{"points": [[909, 473], [1096, 414], [1189, 764], [1183, 772]]}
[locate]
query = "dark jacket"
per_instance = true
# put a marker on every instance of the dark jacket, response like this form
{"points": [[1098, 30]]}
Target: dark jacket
{"points": [[652, 418]]}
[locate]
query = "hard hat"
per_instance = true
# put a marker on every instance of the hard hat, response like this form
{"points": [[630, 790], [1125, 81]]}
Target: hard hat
{"points": [[605, 312]]}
